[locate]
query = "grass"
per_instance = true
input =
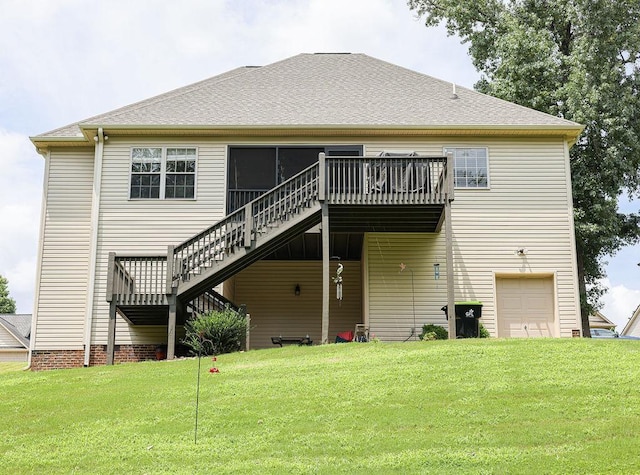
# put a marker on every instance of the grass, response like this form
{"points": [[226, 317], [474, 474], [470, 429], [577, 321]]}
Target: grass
{"points": [[12, 367], [466, 406]]}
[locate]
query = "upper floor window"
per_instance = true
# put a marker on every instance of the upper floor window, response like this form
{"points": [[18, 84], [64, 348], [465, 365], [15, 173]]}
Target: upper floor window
{"points": [[471, 168], [159, 173]]}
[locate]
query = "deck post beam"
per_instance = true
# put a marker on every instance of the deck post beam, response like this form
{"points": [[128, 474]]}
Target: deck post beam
{"points": [[171, 327], [111, 332], [451, 300], [325, 273], [170, 270], [322, 177]]}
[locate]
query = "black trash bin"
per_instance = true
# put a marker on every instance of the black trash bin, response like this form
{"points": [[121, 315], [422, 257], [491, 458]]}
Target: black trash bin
{"points": [[467, 315]]}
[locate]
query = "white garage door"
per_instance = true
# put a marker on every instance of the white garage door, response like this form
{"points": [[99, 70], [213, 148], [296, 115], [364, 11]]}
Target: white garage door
{"points": [[525, 307]]}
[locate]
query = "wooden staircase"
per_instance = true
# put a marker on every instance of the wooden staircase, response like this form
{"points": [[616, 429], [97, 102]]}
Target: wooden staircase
{"points": [[416, 188]]}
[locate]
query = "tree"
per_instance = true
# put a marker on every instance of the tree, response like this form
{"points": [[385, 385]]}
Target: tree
{"points": [[7, 304], [579, 60]]}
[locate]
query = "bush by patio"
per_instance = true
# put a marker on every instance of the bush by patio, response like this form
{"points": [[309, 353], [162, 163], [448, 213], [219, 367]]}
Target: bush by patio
{"points": [[436, 332], [215, 333], [433, 332]]}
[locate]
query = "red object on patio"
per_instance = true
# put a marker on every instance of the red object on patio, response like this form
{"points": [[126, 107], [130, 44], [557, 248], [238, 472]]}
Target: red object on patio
{"points": [[344, 337]]}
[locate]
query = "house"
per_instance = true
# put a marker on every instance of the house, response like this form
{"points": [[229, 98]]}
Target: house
{"points": [[15, 330], [597, 320], [632, 328], [254, 186]]}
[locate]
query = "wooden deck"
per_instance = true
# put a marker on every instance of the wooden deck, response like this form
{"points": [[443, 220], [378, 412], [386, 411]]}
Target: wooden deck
{"points": [[345, 194]]}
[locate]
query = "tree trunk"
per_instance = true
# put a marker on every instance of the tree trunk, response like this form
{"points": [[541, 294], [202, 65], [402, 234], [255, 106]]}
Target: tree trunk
{"points": [[582, 288]]}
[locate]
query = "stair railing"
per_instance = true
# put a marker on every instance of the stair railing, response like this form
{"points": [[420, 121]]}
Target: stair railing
{"points": [[211, 301], [240, 228]]}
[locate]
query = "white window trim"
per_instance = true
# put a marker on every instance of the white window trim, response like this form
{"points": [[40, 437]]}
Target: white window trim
{"points": [[486, 149], [163, 173]]}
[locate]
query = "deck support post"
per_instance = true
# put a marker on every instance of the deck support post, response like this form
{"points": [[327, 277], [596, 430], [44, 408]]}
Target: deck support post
{"points": [[325, 273], [322, 177], [111, 332], [171, 327], [451, 299]]}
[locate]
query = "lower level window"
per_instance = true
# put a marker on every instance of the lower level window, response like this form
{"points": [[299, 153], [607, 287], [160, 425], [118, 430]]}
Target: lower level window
{"points": [[163, 173]]}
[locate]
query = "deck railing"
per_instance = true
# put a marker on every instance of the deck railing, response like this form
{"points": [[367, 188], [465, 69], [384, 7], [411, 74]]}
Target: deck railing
{"points": [[385, 180], [137, 280]]}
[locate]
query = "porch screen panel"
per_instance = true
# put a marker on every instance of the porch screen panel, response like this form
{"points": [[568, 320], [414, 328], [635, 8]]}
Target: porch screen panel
{"points": [[294, 160], [251, 172]]}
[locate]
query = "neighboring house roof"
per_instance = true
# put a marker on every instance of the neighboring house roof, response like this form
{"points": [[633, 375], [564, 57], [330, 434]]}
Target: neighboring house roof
{"points": [[597, 320], [632, 328], [19, 325], [318, 91]]}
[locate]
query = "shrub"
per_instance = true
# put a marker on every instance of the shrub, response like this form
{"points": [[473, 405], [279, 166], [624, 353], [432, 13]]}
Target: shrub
{"points": [[215, 332], [433, 332], [484, 333], [429, 336]]}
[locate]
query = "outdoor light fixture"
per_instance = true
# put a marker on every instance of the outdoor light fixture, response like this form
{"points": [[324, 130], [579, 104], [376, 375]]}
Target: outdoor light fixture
{"points": [[436, 271], [297, 290]]}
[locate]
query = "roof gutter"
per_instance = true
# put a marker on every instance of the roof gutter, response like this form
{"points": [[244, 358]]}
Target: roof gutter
{"points": [[93, 252], [571, 131]]}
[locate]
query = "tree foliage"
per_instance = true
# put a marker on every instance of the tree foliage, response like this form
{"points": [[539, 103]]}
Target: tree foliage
{"points": [[579, 60], [7, 304]]}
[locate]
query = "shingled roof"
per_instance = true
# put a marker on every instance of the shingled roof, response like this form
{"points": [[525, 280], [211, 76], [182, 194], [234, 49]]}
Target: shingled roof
{"points": [[320, 90], [19, 325]]}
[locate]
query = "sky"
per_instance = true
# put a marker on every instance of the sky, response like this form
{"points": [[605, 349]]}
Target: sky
{"points": [[62, 61]]}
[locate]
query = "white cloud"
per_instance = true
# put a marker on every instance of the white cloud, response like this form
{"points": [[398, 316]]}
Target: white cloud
{"points": [[619, 303], [75, 58], [20, 198]]}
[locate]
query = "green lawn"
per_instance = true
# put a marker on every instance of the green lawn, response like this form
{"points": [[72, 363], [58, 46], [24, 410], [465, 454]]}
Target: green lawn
{"points": [[12, 367], [465, 406]]}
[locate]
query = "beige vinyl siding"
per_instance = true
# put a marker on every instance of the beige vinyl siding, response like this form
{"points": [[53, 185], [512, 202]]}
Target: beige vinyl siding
{"points": [[391, 294], [267, 288], [60, 302], [7, 339], [633, 329], [147, 227], [527, 205], [16, 355]]}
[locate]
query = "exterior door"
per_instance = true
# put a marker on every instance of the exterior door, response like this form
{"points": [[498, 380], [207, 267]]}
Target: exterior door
{"points": [[525, 307]]}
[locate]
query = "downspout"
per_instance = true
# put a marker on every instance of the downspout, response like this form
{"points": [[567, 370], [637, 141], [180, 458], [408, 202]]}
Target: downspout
{"points": [[93, 252], [43, 215], [577, 280]]}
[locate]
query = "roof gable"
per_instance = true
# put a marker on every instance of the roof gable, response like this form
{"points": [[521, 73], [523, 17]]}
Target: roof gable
{"points": [[598, 320], [18, 325], [321, 90]]}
